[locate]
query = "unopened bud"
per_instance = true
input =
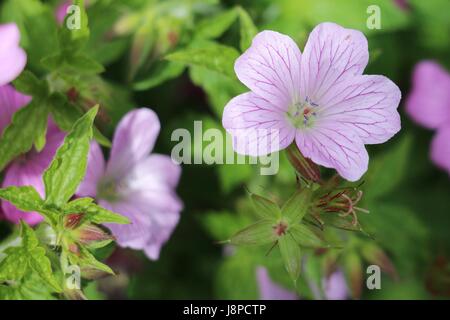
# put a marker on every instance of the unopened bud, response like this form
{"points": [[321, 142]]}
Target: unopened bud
{"points": [[304, 166], [72, 220]]}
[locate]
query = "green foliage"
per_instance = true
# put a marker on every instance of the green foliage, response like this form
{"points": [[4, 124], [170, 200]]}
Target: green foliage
{"points": [[69, 165]]}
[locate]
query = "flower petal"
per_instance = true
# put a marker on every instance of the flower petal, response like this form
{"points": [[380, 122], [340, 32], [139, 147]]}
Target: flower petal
{"points": [[256, 125], [335, 286], [269, 290], [332, 54], [440, 148], [18, 174], [335, 146], [366, 104], [10, 101], [271, 68], [429, 101], [12, 57], [95, 171], [133, 140]]}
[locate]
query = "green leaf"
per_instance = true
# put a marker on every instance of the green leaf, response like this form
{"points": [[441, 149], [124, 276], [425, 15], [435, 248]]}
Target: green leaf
{"points": [[259, 233], [265, 208], [305, 237], [163, 71], [24, 198], [29, 84], [66, 114], [297, 206], [20, 135], [215, 26], [93, 212], [248, 29], [82, 63], [27, 259], [291, 254], [69, 165], [212, 56]]}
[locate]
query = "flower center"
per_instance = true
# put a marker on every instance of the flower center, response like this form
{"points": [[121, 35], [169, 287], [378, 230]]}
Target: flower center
{"points": [[302, 114], [108, 189]]}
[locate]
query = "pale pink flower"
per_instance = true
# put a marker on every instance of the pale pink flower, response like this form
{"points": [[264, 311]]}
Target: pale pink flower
{"points": [[61, 10], [428, 104], [12, 57], [27, 169], [334, 287], [320, 99], [269, 290], [136, 184]]}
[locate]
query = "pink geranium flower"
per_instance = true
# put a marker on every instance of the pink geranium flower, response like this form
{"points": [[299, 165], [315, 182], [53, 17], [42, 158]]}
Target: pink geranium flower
{"points": [[136, 184], [334, 287], [12, 57], [319, 99], [428, 104], [27, 169]]}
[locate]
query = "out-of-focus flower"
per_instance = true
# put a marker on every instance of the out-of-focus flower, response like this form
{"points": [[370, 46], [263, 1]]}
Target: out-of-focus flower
{"points": [[402, 4], [429, 105], [136, 184], [61, 11], [319, 99], [27, 169], [269, 290], [12, 57], [335, 287]]}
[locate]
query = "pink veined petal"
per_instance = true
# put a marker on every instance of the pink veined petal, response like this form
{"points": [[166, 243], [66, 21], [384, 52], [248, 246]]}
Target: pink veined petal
{"points": [[10, 101], [366, 104], [335, 286], [335, 146], [95, 171], [269, 290], [440, 148], [12, 57], [271, 68], [429, 101], [256, 126], [133, 140], [332, 55]]}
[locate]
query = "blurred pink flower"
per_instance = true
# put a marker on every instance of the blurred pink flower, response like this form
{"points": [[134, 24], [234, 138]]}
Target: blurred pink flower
{"points": [[428, 104], [61, 10], [27, 169], [319, 99], [136, 184], [334, 287], [402, 4], [12, 57], [269, 290]]}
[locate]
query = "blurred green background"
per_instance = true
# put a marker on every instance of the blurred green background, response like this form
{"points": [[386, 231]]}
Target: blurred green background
{"points": [[408, 197]]}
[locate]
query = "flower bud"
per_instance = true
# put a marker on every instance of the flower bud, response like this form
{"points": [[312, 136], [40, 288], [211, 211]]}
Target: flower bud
{"points": [[90, 234], [72, 220], [304, 166]]}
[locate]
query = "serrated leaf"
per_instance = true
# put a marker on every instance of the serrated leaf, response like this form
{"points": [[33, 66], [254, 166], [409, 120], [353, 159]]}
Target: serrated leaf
{"points": [[69, 165], [165, 70], [291, 254], [259, 233], [24, 198], [305, 237], [82, 63], [29, 84], [297, 206], [93, 212], [66, 114], [212, 56], [265, 208], [27, 259], [248, 29], [215, 26], [20, 135]]}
